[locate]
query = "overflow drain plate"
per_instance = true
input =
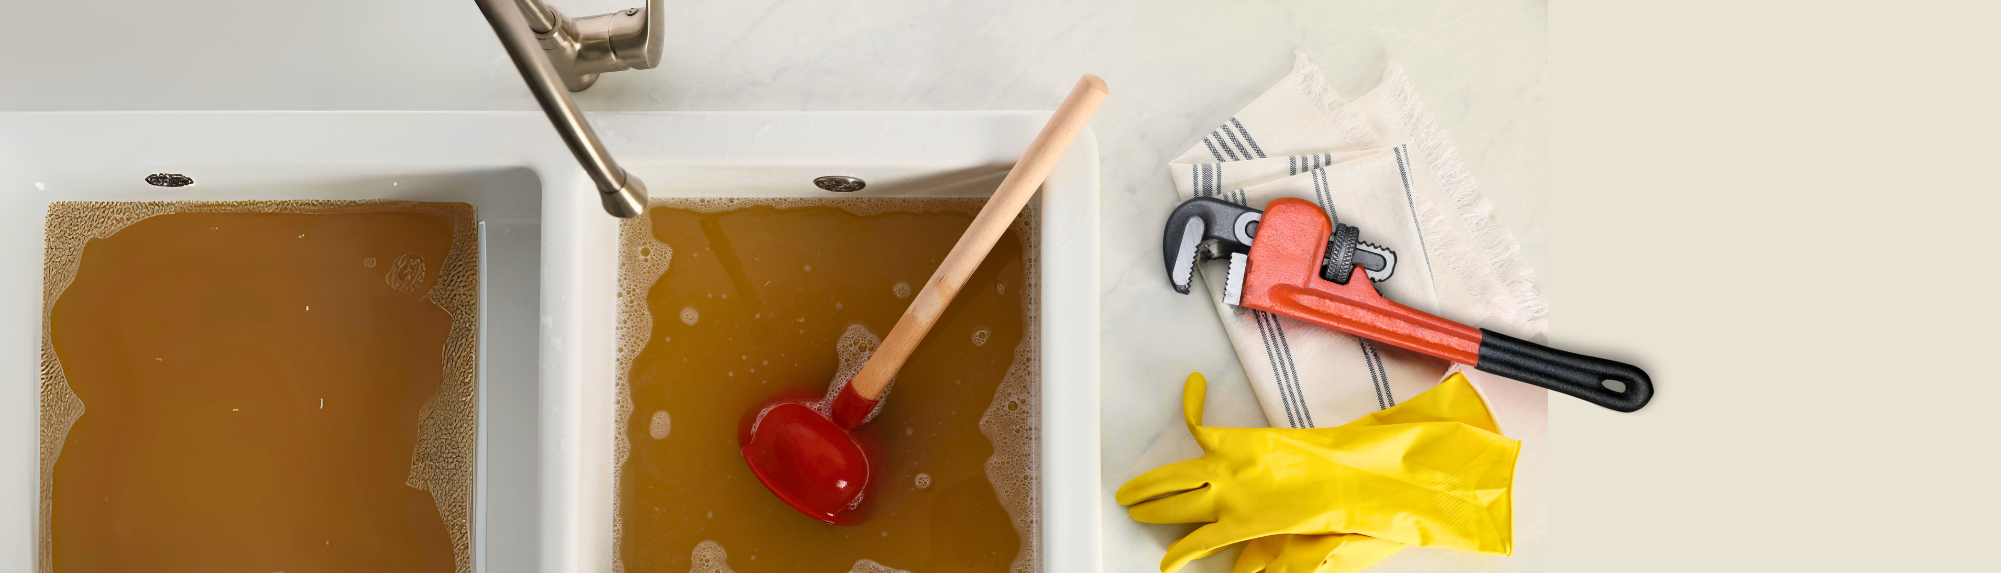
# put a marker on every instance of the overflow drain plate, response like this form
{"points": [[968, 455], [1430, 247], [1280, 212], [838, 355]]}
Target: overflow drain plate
{"points": [[169, 180], [840, 183]]}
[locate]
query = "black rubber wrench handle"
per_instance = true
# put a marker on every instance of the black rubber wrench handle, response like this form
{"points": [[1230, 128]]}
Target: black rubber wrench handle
{"points": [[1583, 377]]}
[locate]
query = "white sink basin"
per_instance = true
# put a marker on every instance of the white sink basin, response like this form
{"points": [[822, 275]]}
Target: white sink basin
{"points": [[543, 496]]}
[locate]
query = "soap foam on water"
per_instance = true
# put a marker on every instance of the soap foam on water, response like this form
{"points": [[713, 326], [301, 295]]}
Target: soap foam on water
{"points": [[868, 566], [1010, 422], [856, 344], [642, 259], [406, 274], [661, 425], [709, 557]]}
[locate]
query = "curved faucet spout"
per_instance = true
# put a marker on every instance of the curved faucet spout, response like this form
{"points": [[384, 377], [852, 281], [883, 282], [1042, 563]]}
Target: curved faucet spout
{"points": [[622, 193]]}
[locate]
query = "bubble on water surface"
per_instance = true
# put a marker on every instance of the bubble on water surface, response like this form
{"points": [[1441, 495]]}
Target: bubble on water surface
{"points": [[406, 274], [689, 315], [980, 337], [870, 566], [923, 481], [709, 557], [661, 425], [368, 262], [901, 290]]}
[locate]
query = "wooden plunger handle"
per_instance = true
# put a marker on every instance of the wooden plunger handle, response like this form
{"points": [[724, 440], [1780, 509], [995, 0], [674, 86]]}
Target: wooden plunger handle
{"points": [[987, 227]]}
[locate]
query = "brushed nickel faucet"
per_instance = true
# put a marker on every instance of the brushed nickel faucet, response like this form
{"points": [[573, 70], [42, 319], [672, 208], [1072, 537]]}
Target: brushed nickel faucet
{"points": [[556, 53]]}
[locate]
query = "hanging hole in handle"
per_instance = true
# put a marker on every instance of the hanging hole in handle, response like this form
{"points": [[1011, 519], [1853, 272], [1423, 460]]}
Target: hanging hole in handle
{"points": [[1614, 385]]}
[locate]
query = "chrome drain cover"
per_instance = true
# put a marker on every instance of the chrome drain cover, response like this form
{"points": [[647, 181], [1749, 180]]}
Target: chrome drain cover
{"points": [[169, 180], [840, 183]]}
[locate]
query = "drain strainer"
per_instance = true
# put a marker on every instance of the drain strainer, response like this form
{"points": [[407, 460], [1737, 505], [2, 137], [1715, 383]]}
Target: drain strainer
{"points": [[169, 180], [840, 183]]}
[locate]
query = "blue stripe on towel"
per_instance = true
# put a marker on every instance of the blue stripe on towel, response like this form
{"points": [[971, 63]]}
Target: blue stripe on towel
{"points": [[1247, 137], [1292, 368], [1376, 376], [1389, 398], [1271, 358], [1410, 198]]}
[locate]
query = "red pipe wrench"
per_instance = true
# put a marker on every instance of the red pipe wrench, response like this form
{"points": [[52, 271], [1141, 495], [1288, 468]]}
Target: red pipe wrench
{"points": [[1283, 271]]}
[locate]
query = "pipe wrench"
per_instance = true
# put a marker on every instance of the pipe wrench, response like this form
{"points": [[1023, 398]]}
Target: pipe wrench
{"points": [[1280, 262], [1205, 228]]}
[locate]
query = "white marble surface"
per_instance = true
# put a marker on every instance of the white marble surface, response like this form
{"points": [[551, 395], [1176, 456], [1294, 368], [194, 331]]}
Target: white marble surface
{"points": [[1176, 68]]}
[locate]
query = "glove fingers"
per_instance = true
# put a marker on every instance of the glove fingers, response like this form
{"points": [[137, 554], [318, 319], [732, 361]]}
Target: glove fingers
{"points": [[1359, 555], [1192, 394], [1203, 542], [1342, 553], [1164, 480], [1259, 553], [1198, 506]]}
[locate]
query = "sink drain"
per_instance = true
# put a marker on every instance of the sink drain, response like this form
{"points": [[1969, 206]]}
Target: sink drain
{"points": [[840, 183], [169, 180]]}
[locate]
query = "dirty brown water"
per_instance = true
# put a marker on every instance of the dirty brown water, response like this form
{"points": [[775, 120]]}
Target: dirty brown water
{"points": [[729, 302], [259, 386]]}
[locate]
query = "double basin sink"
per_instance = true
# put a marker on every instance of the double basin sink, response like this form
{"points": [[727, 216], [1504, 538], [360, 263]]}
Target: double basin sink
{"points": [[543, 494]]}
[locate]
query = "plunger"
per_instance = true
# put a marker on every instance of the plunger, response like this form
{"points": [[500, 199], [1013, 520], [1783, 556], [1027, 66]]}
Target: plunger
{"points": [[804, 449]]}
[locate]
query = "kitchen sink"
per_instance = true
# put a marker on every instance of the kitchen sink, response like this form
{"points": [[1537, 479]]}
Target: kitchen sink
{"points": [[549, 271]]}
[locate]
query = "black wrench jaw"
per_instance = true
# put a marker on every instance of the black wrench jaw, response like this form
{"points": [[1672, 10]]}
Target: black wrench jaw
{"points": [[1200, 229]]}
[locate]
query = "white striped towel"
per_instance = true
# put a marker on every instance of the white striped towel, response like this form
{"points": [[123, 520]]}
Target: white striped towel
{"points": [[1379, 163]]}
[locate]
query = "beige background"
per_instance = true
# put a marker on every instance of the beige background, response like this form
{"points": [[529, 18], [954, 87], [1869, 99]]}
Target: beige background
{"points": [[1783, 211]]}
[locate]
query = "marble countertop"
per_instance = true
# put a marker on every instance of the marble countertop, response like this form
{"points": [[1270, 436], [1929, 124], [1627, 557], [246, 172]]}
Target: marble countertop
{"points": [[1177, 68]]}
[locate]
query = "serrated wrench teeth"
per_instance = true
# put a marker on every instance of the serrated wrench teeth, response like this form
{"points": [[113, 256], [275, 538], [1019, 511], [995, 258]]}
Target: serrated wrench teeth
{"points": [[1233, 283], [1388, 264], [1204, 228]]}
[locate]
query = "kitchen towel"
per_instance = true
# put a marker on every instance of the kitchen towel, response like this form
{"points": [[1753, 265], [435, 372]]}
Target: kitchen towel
{"points": [[1379, 163]]}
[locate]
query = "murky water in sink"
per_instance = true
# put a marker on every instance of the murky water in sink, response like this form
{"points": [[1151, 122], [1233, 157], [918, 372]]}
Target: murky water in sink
{"points": [[752, 298], [268, 386]]}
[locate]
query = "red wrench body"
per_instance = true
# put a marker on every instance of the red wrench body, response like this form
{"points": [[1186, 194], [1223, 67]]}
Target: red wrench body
{"points": [[1283, 278]]}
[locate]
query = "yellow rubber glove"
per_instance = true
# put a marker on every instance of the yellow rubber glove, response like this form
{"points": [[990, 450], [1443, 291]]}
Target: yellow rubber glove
{"points": [[1453, 400], [1431, 482]]}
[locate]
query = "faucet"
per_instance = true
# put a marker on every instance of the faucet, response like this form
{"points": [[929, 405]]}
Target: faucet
{"points": [[555, 53]]}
